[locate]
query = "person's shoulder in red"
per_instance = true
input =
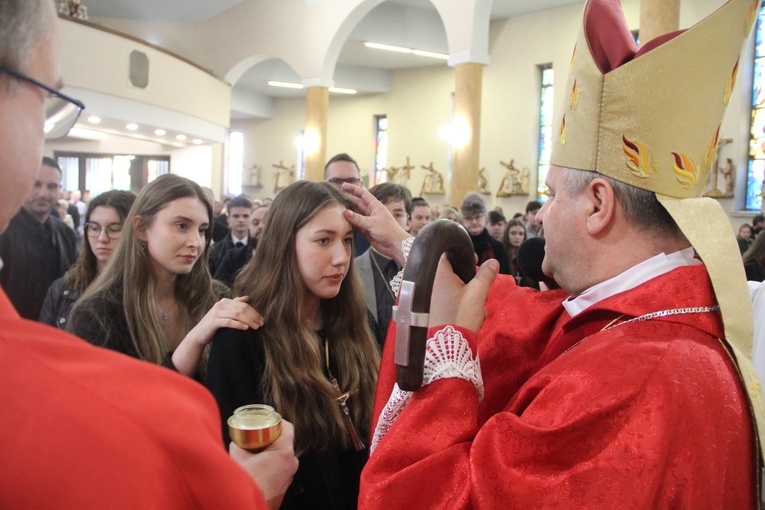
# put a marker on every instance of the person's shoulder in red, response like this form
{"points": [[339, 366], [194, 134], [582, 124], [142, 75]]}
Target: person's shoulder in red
{"points": [[85, 427]]}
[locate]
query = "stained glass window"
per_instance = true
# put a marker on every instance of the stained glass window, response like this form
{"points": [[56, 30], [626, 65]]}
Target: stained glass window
{"points": [[381, 148], [545, 129], [754, 177]]}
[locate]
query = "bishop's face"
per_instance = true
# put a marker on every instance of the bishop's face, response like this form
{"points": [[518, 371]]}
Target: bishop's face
{"points": [[564, 218]]}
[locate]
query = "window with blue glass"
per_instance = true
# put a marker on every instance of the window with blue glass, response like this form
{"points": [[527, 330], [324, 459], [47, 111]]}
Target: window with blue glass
{"points": [[545, 129], [756, 170], [381, 148]]}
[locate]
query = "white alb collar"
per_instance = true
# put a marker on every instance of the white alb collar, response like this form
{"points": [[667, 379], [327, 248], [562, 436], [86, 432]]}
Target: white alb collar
{"points": [[629, 279]]}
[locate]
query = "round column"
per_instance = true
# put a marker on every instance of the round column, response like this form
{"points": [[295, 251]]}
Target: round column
{"points": [[658, 17], [466, 130], [315, 136]]}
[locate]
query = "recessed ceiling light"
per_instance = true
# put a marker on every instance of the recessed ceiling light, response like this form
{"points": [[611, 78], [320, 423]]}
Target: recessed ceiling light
{"points": [[180, 137], [94, 120], [132, 127], [160, 132], [197, 141]]}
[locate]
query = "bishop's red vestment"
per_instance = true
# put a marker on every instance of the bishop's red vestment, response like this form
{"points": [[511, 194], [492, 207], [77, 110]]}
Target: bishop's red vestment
{"points": [[647, 414]]}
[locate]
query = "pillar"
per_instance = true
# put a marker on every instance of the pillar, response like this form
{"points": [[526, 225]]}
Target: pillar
{"points": [[315, 136], [467, 130], [658, 17]]}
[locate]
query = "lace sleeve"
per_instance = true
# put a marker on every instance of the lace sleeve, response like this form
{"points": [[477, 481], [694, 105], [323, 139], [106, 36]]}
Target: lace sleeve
{"points": [[395, 283], [447, 355]]}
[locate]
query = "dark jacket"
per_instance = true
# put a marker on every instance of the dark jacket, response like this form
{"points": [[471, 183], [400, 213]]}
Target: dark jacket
{"points": [[754, 273], [34, 255], [59, 302], [486, 247], [233, 262], [219, 250], [328, 480]]}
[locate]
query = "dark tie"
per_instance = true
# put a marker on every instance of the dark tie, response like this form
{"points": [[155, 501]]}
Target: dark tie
{"points": [[239, 244], [390, 271]]}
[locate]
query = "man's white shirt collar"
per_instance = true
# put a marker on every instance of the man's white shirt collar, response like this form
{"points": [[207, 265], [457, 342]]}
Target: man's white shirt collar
{"points": [[629, 279], [236, 240]]}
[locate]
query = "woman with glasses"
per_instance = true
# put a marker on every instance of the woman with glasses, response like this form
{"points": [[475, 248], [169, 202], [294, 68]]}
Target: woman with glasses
{"points": [[103, 228], [155, 300]]}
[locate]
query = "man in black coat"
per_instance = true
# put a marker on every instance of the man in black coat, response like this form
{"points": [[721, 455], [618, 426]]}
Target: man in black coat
{"points": [[37, 248]]}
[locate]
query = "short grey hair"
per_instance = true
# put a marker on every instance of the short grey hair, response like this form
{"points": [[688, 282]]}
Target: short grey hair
{"points": [[641, 207], [472, 205], [23, 24]]}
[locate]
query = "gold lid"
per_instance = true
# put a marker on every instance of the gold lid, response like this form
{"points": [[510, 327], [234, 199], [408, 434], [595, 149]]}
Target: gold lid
{"points": [[254, 426]]}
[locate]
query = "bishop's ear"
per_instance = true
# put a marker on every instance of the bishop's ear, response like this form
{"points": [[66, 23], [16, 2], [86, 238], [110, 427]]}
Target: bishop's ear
{"points": [[600, 193]]}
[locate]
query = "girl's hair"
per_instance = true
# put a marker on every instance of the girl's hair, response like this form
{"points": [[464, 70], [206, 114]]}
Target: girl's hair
{"points": [[128, 278], [451, 211], [294, 378], [85, 269], [512, 251], [756, 252]]}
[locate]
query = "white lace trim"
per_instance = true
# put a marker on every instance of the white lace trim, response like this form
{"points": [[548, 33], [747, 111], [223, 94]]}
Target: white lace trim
{"points": [[395, 283], [396, 403], [447, 355]]}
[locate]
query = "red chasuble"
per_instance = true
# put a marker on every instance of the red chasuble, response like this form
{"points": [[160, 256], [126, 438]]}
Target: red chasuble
{"points": [[649, 414], [84, 427]]}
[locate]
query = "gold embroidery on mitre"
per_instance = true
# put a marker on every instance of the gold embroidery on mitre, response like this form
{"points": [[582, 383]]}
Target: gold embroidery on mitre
{"points": [[709, 156], [751, 16], [573, 101], [563, 130], [731, 82], [640, 159], [686, 170], [573, 57]]}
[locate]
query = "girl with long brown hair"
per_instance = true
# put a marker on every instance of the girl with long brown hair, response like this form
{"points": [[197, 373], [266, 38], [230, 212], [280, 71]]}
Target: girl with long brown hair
{"points": [[316, 360], [155, 300]]}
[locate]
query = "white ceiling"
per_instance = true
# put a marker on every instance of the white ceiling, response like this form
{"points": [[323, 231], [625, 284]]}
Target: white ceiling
{"points": [[200, 10], [408, 23]]}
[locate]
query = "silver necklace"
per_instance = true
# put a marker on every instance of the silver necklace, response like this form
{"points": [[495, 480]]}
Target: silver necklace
{"points": [[162, 312], [652, 315]]}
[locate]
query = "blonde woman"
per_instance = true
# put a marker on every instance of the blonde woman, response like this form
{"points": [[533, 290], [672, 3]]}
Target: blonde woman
{"points": [[316, 360], [155, 300]]}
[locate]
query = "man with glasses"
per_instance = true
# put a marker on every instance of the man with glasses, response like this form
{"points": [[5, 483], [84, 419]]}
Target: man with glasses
{"points": [[340, 169], [101, 430], [473, 210], [37, 248]]}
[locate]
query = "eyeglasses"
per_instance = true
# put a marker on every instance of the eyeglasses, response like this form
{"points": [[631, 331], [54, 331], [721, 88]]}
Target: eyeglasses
{"points": [[113, 231], [61, 111], [472, 218], [338, 181]]}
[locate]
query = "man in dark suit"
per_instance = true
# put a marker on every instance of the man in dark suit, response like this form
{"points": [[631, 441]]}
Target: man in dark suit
{"points": [[375, 269]]}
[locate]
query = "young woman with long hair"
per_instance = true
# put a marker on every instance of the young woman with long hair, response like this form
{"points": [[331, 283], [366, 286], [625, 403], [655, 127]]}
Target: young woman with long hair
{"points": [[155, 300], [512, 237], [315, 360], [103, 227], [754, 260]]}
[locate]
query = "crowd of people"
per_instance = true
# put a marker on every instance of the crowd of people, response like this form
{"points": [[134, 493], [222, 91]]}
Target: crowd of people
{"points": [[132, 326]]}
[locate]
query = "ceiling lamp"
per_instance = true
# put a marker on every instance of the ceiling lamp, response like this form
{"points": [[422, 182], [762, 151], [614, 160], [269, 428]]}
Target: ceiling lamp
{"points": [[401, 49]]}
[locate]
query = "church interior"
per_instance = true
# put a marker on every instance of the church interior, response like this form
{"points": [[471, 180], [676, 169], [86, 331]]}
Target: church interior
{"points": [[245, 96]]}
